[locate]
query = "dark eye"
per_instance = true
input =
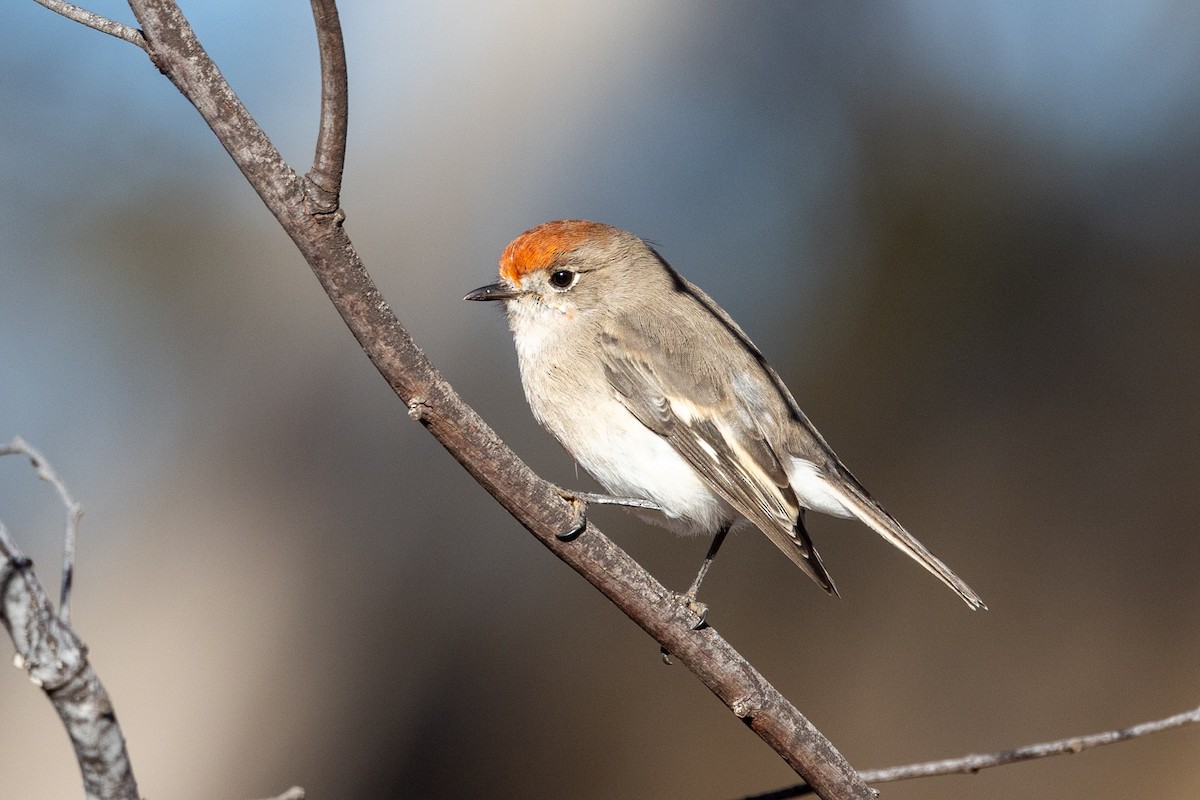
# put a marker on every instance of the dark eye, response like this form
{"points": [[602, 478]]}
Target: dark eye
{"points": [[562, 278]]}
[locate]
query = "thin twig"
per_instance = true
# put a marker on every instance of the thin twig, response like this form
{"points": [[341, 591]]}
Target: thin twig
{"points": [[96, 22], [9, 552], [322, 239], [294, 793], [974, 763], [330, 158], [46, 472]]}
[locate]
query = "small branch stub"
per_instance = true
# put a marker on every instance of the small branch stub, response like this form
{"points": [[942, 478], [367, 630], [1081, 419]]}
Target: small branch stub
{"points": [[417, 409], [745, 706]]}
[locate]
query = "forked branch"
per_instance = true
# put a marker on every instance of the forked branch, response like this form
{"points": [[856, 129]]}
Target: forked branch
{"points": [[56, 661], [96, 22], [19, 446]]}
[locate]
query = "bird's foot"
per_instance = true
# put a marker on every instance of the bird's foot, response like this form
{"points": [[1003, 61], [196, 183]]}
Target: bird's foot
{"points": [[689, 601], [581, 500], [696, 607], [579, 523]]}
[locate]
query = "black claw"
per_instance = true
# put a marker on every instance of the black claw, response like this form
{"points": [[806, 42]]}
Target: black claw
{"points": [[21, 563], [666, 656], [573, 534], [701, 623], [578, 528]]}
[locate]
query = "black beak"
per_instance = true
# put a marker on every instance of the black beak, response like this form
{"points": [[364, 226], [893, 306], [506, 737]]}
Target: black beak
{"points": [[493, 291]]}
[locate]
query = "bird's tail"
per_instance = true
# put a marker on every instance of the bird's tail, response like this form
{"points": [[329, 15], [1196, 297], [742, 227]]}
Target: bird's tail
{"points": [[856, 500]]}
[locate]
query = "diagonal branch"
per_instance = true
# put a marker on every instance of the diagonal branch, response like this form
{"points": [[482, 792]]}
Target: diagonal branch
{"points": [[974, 763], [96, 22], [535, 503]]}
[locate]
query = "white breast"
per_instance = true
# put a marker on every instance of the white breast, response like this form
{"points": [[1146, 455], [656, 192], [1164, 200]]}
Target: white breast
{"points": [[578, 406]]}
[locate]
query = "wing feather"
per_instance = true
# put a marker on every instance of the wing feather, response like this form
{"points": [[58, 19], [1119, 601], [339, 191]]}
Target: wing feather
{"points": [[726, 448]]}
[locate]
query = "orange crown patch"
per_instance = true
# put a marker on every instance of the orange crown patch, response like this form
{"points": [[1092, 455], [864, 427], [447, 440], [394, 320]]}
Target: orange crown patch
{"points": [[538, 247]]}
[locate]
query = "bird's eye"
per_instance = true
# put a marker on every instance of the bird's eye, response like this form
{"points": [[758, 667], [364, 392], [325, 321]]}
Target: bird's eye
{"points": [[562, 278]]}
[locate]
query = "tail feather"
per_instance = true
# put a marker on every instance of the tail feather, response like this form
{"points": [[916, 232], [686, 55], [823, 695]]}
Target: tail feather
{"points": [[862, 506], [811, 560], [797, 546]]}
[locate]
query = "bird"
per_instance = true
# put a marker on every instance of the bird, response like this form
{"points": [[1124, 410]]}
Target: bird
{"points": [[664, 400]]}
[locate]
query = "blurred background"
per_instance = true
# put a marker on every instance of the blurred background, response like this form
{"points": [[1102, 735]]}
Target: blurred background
{"points": [[967, 235]]}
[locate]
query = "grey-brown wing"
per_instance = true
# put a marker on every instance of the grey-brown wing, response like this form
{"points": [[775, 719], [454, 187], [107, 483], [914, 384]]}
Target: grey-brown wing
{"points": [[720, 441]]}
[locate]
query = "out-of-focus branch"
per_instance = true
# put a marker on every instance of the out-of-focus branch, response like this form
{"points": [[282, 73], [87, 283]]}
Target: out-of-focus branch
{"points": [[974, 763], [19, 446], [294, 793], [96, 22], [56, 660]]}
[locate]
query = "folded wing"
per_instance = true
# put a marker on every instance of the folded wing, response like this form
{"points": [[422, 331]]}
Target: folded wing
{"points": [[723, 444]]}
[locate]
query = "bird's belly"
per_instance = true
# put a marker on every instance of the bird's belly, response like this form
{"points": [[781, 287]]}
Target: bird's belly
{"points": [[625, 456], [629, 460]]}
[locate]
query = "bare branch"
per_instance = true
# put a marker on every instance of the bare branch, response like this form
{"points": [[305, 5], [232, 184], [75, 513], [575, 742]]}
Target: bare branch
{"points": [[97, 22], [974, 763], [56, 660], [19, 446], [536, 504], [10, 552], [326, 172]]}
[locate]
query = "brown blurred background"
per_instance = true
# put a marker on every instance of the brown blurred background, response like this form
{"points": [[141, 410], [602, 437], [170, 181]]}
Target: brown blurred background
{"points": [[966, 235]]}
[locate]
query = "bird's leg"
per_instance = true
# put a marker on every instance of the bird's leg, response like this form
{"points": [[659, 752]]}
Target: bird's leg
{"points": [[693, 603], [609, 500], [581, 500], [717, 541]]}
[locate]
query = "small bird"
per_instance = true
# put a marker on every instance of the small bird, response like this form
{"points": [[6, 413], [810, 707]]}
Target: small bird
{"points": [[659, 394]]}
